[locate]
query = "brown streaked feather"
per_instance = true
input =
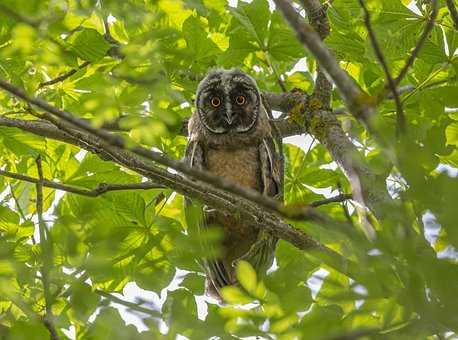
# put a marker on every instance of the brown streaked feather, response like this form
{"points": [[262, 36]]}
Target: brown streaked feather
{"points": [[270, 168], [240, 166]]}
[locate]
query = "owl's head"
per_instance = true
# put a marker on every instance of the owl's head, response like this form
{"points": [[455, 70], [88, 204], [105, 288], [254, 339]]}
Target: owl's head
{"points": [[228, 101]]}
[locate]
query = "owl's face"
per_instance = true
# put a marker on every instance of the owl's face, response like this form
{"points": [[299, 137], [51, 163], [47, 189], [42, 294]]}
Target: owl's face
{"points": [[228, 101]]}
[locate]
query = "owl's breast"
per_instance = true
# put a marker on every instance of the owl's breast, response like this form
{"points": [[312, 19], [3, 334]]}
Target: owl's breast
{"points": [[240, 166]]}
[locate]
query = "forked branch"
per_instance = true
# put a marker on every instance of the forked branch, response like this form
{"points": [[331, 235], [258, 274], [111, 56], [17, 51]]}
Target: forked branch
{"points": [[101, 189]]}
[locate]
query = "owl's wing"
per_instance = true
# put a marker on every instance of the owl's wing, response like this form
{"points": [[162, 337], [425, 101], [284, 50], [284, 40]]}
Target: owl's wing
{"points": [[270, 169], [198, 217]]}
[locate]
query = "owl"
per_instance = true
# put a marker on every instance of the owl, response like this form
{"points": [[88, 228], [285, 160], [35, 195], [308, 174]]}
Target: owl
{"points": [[230, 136]]}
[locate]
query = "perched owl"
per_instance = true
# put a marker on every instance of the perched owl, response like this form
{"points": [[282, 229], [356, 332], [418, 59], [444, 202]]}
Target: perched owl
{"points": [[230, 136]]}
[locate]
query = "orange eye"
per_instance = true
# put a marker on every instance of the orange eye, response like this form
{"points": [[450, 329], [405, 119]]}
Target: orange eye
{"points": [[240, 100], [216, 102]]}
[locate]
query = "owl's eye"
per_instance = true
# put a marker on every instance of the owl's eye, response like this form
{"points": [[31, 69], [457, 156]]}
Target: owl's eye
{"points": [[240, 100], [216, 102]]}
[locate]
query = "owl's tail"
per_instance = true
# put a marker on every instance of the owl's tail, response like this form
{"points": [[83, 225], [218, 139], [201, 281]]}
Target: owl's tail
{"points": [[260, 256]]}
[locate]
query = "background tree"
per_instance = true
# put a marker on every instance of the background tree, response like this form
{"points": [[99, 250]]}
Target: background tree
{"points": [[94, 101]]}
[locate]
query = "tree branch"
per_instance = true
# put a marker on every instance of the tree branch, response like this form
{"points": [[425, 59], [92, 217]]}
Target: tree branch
{"points": [[66, 116], [131, 305], [102, 188], [325, 127], [117, 141], [424, 35], [114, 51], [453, 12], [368, 188], [63, 76], [207, 194], [222, 194], [401, 122], [334, 199], [46, 251], [320, 23], [353, 96]]}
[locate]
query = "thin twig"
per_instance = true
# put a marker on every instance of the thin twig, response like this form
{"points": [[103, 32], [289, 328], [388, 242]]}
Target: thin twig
{"points": [[114, 50], [345, 207], [64, 76], [424, 35], [334, 199], [129, 304], [453, 12], [97, 191], [46, 250], [401, 124], [77, 122]]}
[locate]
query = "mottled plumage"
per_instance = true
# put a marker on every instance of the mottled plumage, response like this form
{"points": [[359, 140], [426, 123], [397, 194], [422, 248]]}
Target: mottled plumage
{"points": [[230, 136]]}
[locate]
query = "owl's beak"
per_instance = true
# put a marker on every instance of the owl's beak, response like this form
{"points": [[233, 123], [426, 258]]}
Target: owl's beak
{"points": [[229, 118]]}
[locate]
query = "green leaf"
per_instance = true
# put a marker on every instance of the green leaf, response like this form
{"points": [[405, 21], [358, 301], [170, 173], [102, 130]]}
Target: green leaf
{"points": [[7, 216], [89, 44], [198, 43], [246, 276], [20, 143], [109, 324], [83, 301], [254, 17], [25, 330], [234, 295]]}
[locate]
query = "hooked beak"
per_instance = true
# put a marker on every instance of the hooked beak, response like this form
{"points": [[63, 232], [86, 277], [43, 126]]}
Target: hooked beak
{"points": [[229, 118]]}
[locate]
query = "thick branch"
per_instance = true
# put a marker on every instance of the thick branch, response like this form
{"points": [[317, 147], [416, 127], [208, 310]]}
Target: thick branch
{"points": [[323, 125], [319, 21], [369, 190], [205, 193], [99, 190], [107, 138], [351, 93], [333, 137]]}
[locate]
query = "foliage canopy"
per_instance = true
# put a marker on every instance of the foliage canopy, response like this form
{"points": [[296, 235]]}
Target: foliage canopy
{"points": [[145, 69]]}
